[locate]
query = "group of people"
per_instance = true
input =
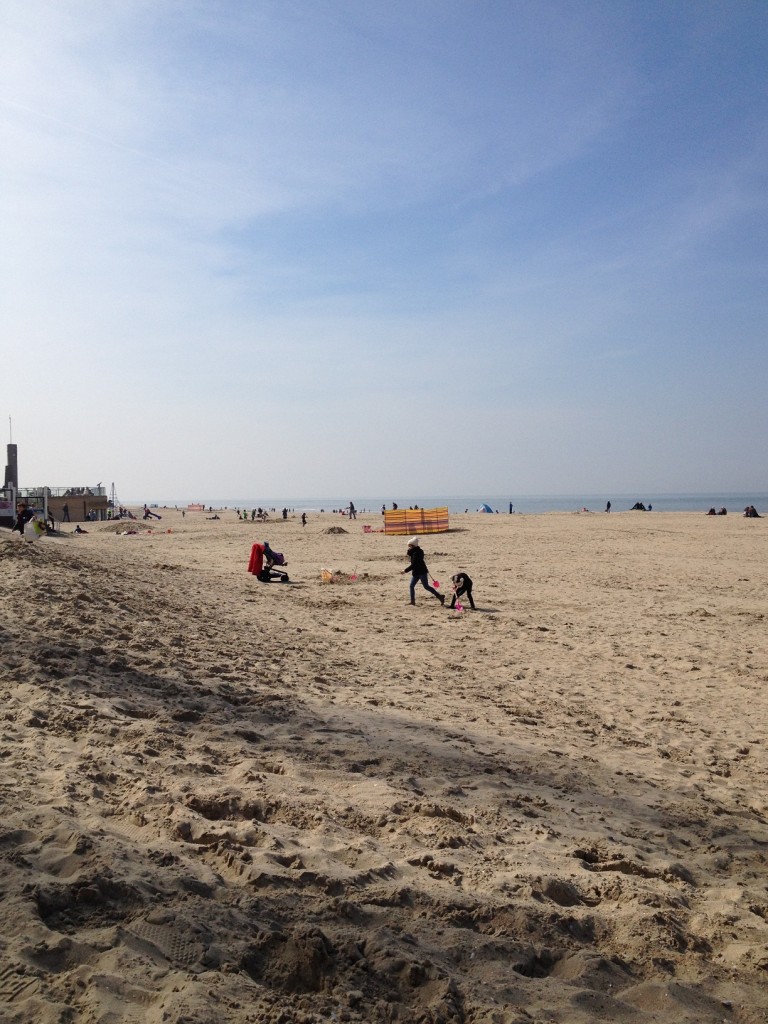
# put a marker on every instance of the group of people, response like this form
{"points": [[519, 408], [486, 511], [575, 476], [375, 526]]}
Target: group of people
{"points": [[268, 566], [417, 567], [256, 513], [750, 512]]}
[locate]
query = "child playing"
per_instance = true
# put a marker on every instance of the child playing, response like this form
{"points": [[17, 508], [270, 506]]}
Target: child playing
{"points": [[462, 584]]}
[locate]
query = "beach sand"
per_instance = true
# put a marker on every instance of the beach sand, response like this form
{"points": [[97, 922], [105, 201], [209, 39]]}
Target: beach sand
{"points": [[236, 802]]}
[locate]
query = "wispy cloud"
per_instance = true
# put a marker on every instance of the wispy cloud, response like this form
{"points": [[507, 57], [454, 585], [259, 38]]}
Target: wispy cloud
{"points": [[240, 220]]}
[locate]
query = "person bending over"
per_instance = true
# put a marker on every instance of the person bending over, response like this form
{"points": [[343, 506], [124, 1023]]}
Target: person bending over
{"points": [[462, 584]]}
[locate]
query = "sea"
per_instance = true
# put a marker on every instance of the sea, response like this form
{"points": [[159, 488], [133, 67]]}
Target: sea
{"points": [[523, 504]]}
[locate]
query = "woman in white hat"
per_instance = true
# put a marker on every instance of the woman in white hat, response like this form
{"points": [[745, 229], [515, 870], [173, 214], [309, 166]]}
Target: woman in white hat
{"points": [[418, 570]]}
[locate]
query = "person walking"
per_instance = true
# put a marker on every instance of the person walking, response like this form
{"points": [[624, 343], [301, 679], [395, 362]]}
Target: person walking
{"points": [[418, 570]]}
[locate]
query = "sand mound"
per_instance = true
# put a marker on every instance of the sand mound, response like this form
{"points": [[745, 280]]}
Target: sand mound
{"points": [[121, 526], [335, 529]]}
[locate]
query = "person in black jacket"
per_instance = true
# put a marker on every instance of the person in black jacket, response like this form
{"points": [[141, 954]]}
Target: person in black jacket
{"points": [[23, 516], [418, 570], [462, 584]]}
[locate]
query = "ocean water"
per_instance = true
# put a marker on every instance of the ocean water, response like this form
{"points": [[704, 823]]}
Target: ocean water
{"points": [[528, 504]]}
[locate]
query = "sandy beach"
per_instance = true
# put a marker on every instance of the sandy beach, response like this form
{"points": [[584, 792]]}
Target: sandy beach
{"points": [[231, 801]]}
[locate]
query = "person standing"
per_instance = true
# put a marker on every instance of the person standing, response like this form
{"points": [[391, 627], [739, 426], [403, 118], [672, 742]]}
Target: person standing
{"points": [[352, 511], [418, 570], [608, 507], [65, 517]]}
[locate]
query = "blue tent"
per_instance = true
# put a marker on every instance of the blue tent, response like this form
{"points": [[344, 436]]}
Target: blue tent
{"points": [[485, 508]]}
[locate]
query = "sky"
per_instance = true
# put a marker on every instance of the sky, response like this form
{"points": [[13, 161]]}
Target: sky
{"points": [[359, 247]]}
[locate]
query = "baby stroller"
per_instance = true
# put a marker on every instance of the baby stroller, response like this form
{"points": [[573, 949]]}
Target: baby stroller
{"points": [[262, 564]]}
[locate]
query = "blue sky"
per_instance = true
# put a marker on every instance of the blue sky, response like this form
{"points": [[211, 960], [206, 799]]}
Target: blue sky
{"points": [[344, 247]]}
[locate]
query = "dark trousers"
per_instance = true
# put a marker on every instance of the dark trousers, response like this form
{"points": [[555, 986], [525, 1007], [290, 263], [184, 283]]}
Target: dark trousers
{"points": [[460, 592], [424, 581]]}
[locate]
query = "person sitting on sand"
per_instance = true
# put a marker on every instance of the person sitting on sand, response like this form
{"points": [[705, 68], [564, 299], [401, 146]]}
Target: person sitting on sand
{"points": [[711, 512], [23, 516], [79, 529], [723, 511], [462, 584], [418, 570], [751, 512]]}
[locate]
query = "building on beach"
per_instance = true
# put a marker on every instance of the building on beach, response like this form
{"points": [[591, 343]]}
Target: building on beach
{"points": [[73, 504]]}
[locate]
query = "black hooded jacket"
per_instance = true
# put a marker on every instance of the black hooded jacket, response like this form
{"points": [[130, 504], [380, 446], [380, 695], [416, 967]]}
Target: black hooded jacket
{"points": [[418, 565]]}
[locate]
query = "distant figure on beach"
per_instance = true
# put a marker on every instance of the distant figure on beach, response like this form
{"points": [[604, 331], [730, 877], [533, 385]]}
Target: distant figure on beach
{"points": [[638, 507], [65, 513], [608, 506], [511, 506], [723, 511], [383, 509], [150, 515], [750, 512], [418, 570], [79, 529], [712, 512], [394, 506], [352, 511], [211, 517], [285, 513], [462, 584], [303, 518]]}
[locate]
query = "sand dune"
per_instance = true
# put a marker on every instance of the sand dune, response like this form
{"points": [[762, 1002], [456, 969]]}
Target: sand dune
{"points": [[231, 801]]}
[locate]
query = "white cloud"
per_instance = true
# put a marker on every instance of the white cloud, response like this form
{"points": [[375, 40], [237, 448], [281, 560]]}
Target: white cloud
{"points": [[226, 226]]}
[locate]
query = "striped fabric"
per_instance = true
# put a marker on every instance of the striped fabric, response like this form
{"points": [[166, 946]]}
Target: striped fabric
{"points": [[402, 521]]}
